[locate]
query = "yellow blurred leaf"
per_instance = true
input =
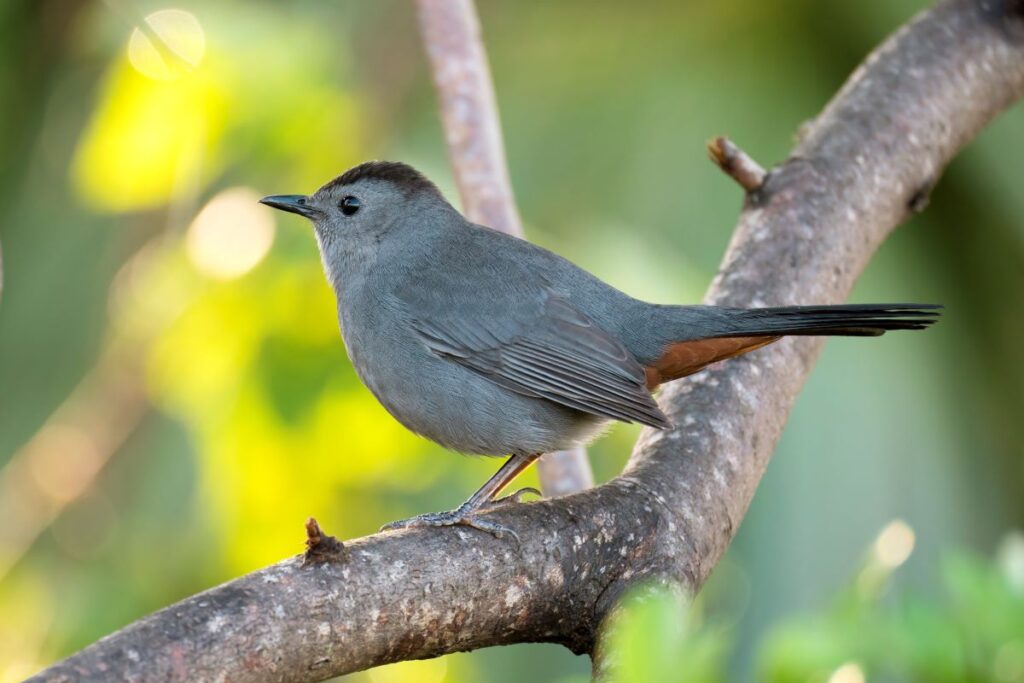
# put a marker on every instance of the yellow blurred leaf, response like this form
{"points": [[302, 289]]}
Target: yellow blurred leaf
{"points": [[148, 140], [421, 671], [26, 603]]}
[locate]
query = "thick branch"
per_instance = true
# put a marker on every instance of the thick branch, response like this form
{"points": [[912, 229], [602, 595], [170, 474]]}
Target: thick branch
{"points": [[860, 169], [472, 129], [804, 237]]}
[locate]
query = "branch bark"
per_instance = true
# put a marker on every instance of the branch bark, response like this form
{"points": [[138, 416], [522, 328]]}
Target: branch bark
{"points": [[472, 129], [803, 236]]}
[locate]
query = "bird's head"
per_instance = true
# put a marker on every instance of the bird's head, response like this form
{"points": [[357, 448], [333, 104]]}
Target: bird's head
{"points": [[365, 204]]}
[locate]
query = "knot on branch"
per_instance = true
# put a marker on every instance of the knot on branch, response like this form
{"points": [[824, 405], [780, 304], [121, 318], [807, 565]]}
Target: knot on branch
{"points": [[921, 196], [1007, 16], [1014, 9], [320, 547]]}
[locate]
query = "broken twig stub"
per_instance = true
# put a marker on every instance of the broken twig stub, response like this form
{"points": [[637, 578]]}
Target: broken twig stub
{"points": [[320, 547], [736, 163]]}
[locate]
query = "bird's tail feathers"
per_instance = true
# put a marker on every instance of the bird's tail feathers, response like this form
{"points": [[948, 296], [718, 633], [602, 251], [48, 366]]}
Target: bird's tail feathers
{"points": [[853, 320]]}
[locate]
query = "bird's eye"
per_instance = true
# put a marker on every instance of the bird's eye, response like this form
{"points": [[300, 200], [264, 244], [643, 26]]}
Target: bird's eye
{"points": [[349, 205]]}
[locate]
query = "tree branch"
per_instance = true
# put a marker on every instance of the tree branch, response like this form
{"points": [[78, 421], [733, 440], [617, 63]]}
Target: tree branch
{"points": [[451, 34], [472, 129], [736, 163], [803, 237]]}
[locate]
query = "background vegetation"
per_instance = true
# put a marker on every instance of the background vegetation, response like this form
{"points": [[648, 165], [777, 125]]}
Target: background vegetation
{"points": [[175, 399]]}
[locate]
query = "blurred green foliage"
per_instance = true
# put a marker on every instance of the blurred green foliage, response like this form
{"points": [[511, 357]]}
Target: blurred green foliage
{"points": [[132, 141], [657, 637], [972, 631]]}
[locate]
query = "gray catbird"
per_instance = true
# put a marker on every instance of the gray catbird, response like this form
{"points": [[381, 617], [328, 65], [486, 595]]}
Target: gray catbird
{"points": [[488, 344]]}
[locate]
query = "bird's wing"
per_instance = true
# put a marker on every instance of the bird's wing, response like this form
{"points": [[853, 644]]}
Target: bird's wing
{"points": [[542, 347]]}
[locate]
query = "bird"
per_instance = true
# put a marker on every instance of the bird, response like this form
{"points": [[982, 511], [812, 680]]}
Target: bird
{"points": [[488, 344]]}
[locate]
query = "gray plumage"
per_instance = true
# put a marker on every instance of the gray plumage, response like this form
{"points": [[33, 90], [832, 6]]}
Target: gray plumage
{"points": [[488, 344]]}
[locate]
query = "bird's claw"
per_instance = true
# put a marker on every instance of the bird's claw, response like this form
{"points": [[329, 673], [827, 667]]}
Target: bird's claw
{"points": [[516, 497], [456, 517]]}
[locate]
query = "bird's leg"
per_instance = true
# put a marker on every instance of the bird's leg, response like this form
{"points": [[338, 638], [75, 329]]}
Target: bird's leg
{"points": [[484, 499]]}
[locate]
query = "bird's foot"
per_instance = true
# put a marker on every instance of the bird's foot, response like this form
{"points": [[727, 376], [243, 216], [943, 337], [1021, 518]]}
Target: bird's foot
{"points": [[464, 515], [456, 517]]}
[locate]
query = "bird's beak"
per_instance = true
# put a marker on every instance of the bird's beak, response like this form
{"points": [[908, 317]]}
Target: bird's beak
{"points": [[293, 203]]}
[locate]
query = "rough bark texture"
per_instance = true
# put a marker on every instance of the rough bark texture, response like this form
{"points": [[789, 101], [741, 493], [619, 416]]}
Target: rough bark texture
{"points": [[472, 129], [803, 237]]}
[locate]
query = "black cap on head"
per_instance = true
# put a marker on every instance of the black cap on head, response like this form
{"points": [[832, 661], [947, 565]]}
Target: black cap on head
{"points": [[402, 176]]}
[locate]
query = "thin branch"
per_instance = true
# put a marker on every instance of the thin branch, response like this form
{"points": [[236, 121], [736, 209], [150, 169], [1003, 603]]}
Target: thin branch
{"points": [[565, 472], [421, 593], [469, 112], [472, 128], [736, 163], [63, 459]]}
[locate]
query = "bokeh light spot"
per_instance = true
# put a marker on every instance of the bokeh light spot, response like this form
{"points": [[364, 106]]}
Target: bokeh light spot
{"points": [[1011, 560], [86, 528], [170, 43], [63, 462], [847, 673], [231, 234], [894, 544]]}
